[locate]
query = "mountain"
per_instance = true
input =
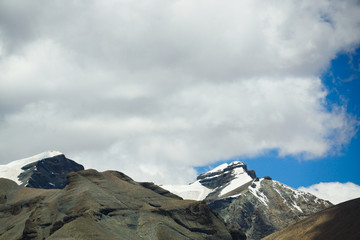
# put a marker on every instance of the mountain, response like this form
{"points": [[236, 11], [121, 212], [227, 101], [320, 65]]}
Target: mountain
{"points": [[341, 221], [255, 206], [51, 196], [107, 205], [221, 182], [46, 170]]}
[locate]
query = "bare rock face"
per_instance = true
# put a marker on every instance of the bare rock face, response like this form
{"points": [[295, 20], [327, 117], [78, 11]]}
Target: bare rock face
{"points": [[48, 173], [341, 221], [107, 205], [265, 207]]}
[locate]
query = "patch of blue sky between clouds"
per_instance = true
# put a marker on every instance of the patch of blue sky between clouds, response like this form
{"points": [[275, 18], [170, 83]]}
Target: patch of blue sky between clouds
{"points": [[342, 80]]}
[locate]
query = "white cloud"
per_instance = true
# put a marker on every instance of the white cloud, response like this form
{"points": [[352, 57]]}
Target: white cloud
{"points": [[144, 86], [335, 192]]}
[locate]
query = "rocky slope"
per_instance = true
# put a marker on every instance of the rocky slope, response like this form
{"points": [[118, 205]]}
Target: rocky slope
{"points": [[265, 207], [341, 221], [107, 205], [257, 207], [46, 170]]}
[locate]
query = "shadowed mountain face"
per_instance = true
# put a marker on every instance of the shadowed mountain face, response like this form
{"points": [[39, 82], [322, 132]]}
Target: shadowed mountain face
{"points": [[49, 173], [341, 221], [45, 170], [107, 205]]}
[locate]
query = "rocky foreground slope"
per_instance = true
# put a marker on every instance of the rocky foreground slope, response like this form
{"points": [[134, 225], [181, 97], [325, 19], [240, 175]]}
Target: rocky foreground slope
{"points": [[107, 205], [257, 207], [341, 221]]}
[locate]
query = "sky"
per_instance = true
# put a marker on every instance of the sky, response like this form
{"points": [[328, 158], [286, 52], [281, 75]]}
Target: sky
{"points": [[162, 90]]}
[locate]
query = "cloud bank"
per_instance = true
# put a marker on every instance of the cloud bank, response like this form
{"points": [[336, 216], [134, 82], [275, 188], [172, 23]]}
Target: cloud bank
{"points": [[153, 88], [335, 192]]}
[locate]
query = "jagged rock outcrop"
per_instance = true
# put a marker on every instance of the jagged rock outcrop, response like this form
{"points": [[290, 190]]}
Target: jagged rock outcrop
{"points": [[107, 205], [341, 221]]}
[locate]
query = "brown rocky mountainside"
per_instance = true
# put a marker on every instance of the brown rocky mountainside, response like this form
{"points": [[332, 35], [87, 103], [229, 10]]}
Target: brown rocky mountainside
{"points": [[341, 221], [107, 205]]}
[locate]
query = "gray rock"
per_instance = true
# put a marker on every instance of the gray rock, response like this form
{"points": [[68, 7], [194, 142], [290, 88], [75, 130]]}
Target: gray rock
{"points": [[49, 173], [266, 207]]}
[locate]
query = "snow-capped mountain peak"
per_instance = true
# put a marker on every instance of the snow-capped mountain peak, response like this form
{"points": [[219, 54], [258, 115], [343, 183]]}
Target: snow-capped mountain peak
{"points": [[219, 168], [218, 182], [239, 178], [46, 170], [13, 169], [256, 206], [224, 166]]}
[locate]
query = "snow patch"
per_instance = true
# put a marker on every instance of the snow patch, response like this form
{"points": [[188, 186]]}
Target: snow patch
{"points": [[257, 193], [240, 178], [12, 170], [284, 200], [224, 165], [195, 191], [218, 168], [295, 193], [297, 207], [235, 195]]}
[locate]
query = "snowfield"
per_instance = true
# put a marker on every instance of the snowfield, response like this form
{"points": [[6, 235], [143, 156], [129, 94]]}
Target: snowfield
{"points": [[194, 191]]}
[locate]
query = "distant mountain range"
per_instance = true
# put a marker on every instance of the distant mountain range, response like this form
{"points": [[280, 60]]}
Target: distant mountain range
{"points": [[49, 196]]}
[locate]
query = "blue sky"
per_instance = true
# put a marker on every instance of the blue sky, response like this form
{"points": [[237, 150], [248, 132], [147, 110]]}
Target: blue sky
{"points": [[342, 79]]}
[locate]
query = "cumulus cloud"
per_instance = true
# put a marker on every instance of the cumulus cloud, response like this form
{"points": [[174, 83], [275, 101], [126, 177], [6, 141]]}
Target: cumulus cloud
{"points": [[153, 88], [335, 192]]}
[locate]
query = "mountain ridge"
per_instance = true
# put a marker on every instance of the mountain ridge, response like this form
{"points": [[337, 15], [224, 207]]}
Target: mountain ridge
{"points": [[255, 206], [104, 205], [247, 204]]}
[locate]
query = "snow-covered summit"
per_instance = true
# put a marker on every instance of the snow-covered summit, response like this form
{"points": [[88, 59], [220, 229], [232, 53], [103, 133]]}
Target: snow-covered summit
{"points": [[13, 169], [218, 182], [256, 206], [223, 166]]}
